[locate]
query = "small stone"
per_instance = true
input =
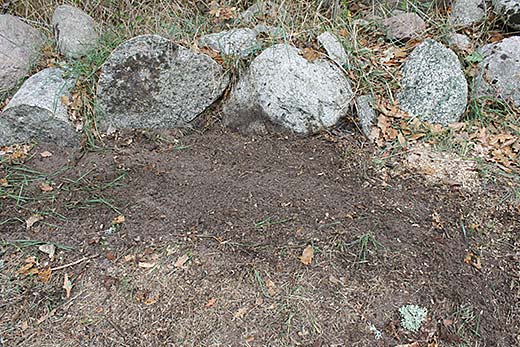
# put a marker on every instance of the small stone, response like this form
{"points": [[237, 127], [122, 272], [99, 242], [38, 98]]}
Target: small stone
{"points": [[240, 42], [433, 86], [498, 74], [36, 112], [261, 10], [404, 26], [151, 82], [75, 32], [460, 42], [366, 113], [20, 46], [467, 12], [333, 47], [283, 88], [508, 11]]}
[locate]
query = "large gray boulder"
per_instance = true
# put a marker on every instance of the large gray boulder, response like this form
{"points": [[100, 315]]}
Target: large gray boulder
{"points": [[283, 88], [498, 73], [509, 11], [36, 112], [239, 42], [151, 82], [20, 46], [75, 32], [433, 86], [467, 12]]}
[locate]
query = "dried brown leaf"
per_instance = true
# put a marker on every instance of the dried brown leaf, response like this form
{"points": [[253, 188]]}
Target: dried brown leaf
{"points": [[307, 255], [67, 285]]}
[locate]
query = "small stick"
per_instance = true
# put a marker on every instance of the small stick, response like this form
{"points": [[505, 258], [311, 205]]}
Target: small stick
{"points": [[74, 263]]}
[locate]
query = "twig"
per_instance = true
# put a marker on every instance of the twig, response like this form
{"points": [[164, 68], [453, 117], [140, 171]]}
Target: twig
{"points": [[74, 263]]}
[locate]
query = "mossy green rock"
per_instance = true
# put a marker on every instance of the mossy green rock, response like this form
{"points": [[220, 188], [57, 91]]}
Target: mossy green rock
{"points": [[433, 86]]}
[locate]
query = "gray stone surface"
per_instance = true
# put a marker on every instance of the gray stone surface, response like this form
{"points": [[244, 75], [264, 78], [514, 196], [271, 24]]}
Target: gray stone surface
{"points": [[467, 12], [240, 42], [151, 82], [20, 46], [498, 74], [283, 88], [36, 112], [404, 26], [366, 113], [75, 32], [261, 10], [460, 42], [333, 47], [509, 11], [433, 86]]}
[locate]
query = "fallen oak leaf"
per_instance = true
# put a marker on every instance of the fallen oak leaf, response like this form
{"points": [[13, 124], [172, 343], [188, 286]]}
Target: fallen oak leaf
{"points": [[35, 218], [45, 275], [473, 260], [181, 261], [67, 285], [45, 154], [118, 220], [241, 312], [48, 249], [146, 265], [310, 54], [151, 301], [45, 187], [211, 302], [307, 255]]}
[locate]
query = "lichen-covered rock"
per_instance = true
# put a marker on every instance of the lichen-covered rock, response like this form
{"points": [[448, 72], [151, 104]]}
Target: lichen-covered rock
{"points": [[404, 26], [283, 88], [75, 32], [36, 112], [20, 46], [151, 82], [498, 73], [467, 12], [240, 42], [509, 11], [433, 86], [333, 47], [366, 113]]}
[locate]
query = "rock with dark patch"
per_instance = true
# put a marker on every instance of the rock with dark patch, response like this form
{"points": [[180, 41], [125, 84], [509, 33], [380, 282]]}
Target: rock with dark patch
{"points": [[20, 46], [75, 32], [281, 87], [508, 11], [366, 113], [404, 26], [36, 111], [151, 82], [467, 12], [239, 42], [333, 47], [498, 73], [433, 86]]}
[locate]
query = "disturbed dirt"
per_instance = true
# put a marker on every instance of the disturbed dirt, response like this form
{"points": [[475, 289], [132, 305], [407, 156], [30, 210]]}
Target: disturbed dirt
{"points": [[208, 253]]}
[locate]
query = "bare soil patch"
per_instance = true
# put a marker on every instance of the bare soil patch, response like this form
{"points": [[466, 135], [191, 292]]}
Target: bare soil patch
{"points": [[209, 250]]}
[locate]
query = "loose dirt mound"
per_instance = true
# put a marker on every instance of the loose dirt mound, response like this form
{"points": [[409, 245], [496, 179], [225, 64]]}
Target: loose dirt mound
{"points": [[208, 252]]}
